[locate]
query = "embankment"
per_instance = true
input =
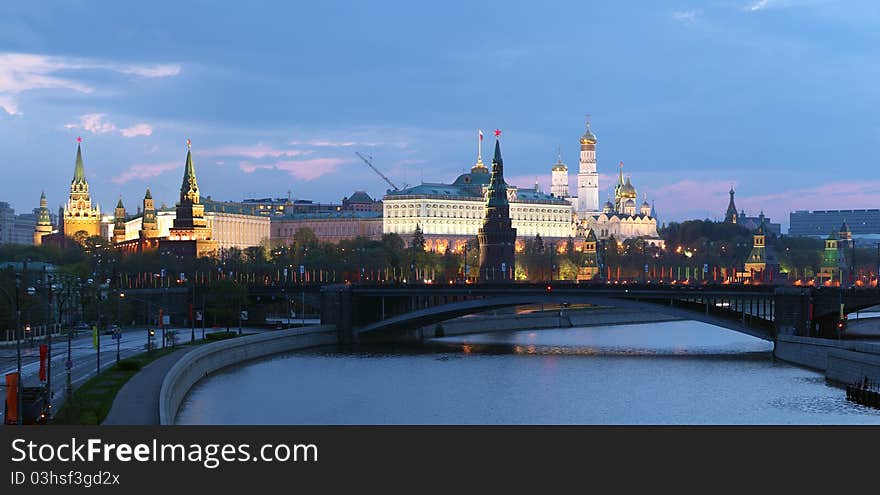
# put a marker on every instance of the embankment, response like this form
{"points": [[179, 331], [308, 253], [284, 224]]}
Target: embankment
{"points": [[206, 359]]}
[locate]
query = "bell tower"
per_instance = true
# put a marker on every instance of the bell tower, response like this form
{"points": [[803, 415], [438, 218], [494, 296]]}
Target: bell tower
{"points": [[588, 177]]}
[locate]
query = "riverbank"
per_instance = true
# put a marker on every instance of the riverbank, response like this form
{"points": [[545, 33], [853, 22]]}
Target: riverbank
{"points": [[201, 362], [842, 361]]}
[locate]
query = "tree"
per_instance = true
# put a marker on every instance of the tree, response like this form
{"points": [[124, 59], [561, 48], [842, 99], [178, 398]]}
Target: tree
{"points": [[538, 244], [418, 239], [305, 236]]}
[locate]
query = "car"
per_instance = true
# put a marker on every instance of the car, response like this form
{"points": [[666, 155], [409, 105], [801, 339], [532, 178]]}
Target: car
{"points": [[112, 329]]}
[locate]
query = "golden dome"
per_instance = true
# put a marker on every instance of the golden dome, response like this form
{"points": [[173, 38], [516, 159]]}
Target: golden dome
{"points": [[627, 190], [588, 137]]}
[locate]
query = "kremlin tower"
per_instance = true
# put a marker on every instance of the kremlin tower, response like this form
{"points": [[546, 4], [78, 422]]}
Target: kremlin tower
{"points": [[190, 234], [44, 222], [497, 237], [79, 215]]}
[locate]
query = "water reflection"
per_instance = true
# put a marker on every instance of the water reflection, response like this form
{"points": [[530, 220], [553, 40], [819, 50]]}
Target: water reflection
{"points": [[664, 373]]}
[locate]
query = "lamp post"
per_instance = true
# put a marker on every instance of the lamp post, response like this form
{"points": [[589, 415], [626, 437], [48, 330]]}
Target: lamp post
{"points": [[49, 281], [302, 283], [192, 312]]}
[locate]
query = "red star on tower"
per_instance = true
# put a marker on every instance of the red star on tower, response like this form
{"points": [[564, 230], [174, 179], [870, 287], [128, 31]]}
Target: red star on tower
{"points": [[497, 133]]}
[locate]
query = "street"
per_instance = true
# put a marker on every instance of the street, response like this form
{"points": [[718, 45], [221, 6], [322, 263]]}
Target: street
{"points": [[83, 357]]}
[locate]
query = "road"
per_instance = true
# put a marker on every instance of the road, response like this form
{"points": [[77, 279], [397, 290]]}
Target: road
{"points": [[83, 357]]}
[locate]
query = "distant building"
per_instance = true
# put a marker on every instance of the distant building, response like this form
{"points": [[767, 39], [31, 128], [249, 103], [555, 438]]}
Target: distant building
{"points": [[762, 263], [863, 224], [18, 229], [361, 201], [751, 223], [329, 227], [837, 258]]}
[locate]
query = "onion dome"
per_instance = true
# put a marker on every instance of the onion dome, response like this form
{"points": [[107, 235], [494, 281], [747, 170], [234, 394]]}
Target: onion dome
{"points": [[559, 166], [628, 190], [629, 204], [588, 137], [609, 207]]}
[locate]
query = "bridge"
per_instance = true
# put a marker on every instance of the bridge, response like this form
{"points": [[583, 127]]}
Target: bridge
{"points": [[387, 312]]}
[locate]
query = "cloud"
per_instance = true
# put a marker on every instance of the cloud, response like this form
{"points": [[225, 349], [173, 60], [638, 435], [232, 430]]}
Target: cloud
{"points": [[759, 5], [137, 130], [687, 16], [330, 144], [20, 72], [255, 152], [309, 169], [97, 123], [145, 171], [8, 105], [94, 123]]}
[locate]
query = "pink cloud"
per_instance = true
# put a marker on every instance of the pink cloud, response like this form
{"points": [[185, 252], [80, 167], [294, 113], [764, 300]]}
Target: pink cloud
{"points": [[254, 152], [324, 143], [137, 130], [301, 169], [97, 123], [145, 171]]}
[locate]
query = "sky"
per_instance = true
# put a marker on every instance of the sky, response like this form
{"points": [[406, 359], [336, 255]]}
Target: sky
{"points": [[778, 98]]}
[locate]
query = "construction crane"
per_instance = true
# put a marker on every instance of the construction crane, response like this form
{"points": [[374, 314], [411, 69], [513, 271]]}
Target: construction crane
{"points": [[370, 163]]}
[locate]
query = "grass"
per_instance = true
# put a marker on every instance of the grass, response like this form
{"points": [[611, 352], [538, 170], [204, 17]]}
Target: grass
{"points": [[91, 402]]}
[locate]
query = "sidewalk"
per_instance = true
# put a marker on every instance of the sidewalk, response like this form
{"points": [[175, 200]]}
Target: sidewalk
{"points": [[137, 403]]}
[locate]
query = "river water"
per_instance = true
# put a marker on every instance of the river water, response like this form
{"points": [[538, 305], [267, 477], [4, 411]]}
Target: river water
{"points": [[681, 372]]}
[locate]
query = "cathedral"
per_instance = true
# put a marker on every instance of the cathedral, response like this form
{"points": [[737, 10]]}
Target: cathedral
{"points": [[621, 217]]}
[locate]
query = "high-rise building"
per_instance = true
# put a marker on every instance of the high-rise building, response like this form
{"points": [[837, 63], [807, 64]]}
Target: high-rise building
{"points": [[864, 225]]}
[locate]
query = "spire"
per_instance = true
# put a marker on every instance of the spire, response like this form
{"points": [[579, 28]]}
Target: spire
{"points": [[189, 188], [497, 186], [731, 216], [119, 204], [620, 174], [79, 171], [479, 166], [148, 195], [43, 202]]}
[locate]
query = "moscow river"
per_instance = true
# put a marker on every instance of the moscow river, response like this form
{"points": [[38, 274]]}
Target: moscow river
{"points": [[680, 372]]}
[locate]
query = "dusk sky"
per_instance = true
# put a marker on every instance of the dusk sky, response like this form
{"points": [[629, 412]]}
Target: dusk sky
{"points": [[778, 97]]}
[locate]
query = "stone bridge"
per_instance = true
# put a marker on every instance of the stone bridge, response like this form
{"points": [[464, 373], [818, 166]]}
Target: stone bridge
{"points": [[390, 311]]}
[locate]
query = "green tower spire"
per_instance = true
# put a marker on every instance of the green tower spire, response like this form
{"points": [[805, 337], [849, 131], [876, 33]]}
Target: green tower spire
{"points": [[79, 170], [189, 189], [497, 186]]}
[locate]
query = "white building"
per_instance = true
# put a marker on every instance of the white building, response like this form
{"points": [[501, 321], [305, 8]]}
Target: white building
{"points": [[449, 215]]}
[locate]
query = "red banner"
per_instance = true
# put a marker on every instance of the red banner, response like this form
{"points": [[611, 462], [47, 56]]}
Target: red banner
{"points": [[44, 354], [11, 398]]}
